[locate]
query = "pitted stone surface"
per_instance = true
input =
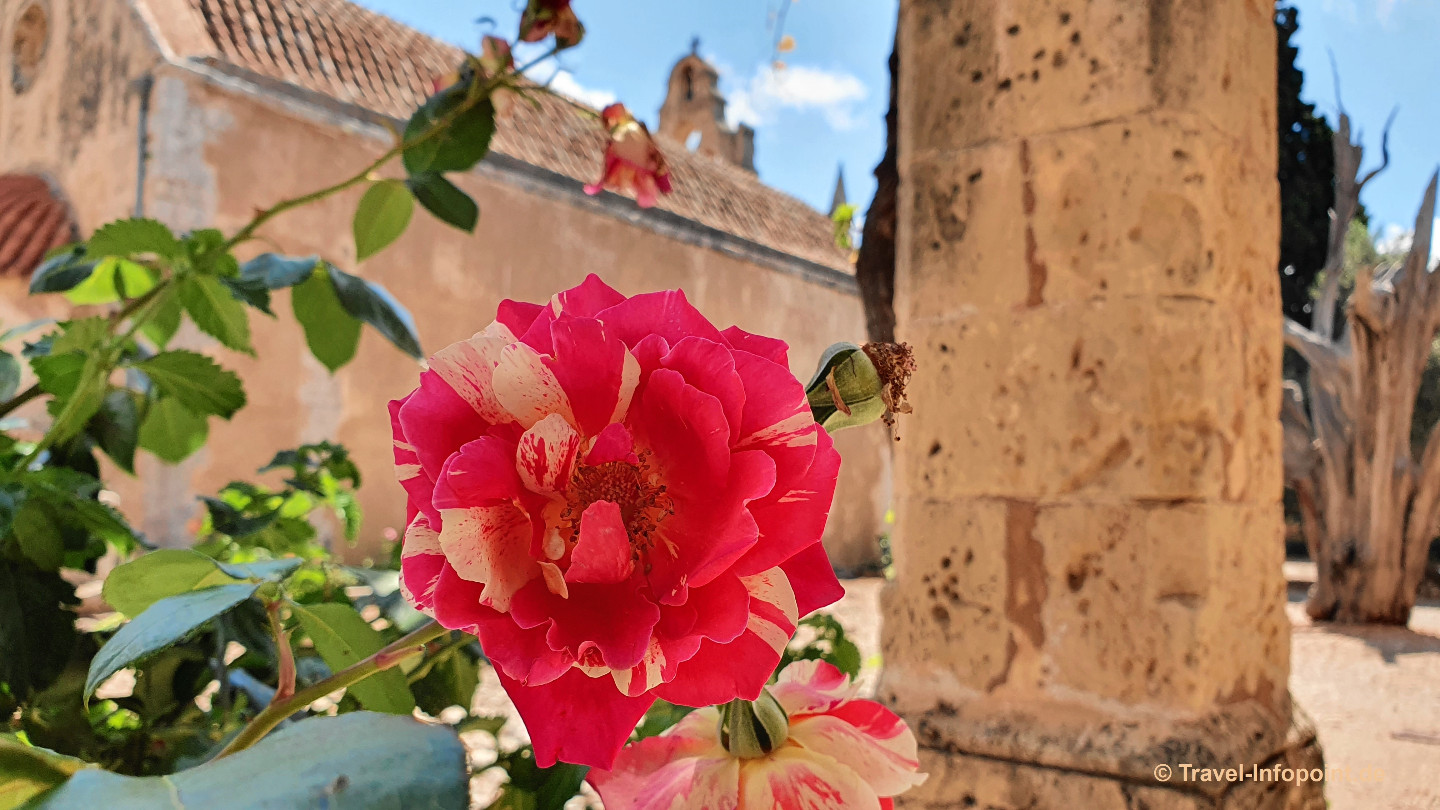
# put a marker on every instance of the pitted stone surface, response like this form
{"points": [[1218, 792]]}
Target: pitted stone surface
{"points": [[1088, 492]]}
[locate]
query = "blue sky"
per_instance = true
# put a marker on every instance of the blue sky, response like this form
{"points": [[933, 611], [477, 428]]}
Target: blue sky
{"points": [[826, 108]]}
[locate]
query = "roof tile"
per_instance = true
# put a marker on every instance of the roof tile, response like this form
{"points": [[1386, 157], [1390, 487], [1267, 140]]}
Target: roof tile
{"points": [[339, 49]]}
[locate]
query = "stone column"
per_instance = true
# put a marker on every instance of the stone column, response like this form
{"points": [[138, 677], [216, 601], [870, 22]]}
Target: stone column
{"points": [[1088, 554]]}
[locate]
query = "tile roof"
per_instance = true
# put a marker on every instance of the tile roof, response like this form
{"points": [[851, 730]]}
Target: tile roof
{"points": [[32, 221], [357, 56]]}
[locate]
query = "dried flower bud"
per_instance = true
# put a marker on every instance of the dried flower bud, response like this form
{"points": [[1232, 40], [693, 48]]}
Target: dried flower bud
{"points": [[750, 729], [857, 385]]}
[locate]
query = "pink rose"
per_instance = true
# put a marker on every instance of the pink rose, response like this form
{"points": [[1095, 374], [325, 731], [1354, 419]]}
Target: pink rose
{"points": [[633, 163], [622, 501], [838, 753]]}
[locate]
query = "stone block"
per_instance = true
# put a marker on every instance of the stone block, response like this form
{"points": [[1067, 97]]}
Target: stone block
{"points": [[945, 628], [1141, 605], [1054, 219], [1017, 68], [1136, 397]]}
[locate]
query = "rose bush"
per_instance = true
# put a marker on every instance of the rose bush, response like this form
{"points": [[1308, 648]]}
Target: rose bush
{"points": [[622, 502], [835, 753]]}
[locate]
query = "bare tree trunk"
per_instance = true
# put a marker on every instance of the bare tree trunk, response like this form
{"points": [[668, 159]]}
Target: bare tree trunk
{"points": [[875, 266], [1369, 511]]}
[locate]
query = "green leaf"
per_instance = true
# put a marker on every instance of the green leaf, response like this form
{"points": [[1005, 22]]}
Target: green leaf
{"points": [[383, 215], [116, 428], [357, 761], [172, 431], [9, 375], [343, 638], [27, 771], [374, 305], [114, 280], [277, 272], [71, 494], [135, 586], [64, 269], [79, 390], [164, 320], [166, 622], [38, 533], [266, 570], [37, 632], [196, 381], [461, 145], [216, 311], [332, 333], [661, 716], [129, 237], [448, 203], [82, 335], [450, 682], [58, 374], [250, 292]]}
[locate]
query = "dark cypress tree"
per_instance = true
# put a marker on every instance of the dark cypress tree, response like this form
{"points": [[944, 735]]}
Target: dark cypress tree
{"points": [[1307, 176]]}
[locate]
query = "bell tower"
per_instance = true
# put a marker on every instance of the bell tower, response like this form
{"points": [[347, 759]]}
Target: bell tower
{"points": [[694, 113]]}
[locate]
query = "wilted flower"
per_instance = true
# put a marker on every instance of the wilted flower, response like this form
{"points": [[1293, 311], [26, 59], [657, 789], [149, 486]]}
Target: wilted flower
{"points": [[835, 752], [545, 17], [622, 501], [633, 162], [856, 385]]}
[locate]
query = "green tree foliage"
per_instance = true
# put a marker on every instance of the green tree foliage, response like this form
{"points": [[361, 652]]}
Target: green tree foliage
{"points": [[1306, 173]]}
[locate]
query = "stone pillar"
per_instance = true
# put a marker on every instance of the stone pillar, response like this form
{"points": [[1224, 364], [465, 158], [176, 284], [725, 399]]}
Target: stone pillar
{"points": [[1088, 553]]}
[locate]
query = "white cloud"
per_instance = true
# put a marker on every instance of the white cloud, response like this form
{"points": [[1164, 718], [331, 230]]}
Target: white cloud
{"points": [[564, 83], [1394, 239], [796, 87]]}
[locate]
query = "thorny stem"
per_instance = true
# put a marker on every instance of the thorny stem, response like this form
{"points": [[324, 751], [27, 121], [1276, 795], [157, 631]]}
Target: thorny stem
{"points": [[439, 657], [20, 399], [285, 678], [136, 310], [478, 93], [412, 644]]}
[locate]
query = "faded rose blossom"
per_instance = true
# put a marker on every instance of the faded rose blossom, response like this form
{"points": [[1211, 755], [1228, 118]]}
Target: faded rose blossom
{"points": [[838, 752], [633, 163], [622, 501], [545, 17]]}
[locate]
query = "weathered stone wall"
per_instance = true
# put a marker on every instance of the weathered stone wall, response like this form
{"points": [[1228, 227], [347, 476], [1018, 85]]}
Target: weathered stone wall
{"points": [[218, 152], [1088, 548]]}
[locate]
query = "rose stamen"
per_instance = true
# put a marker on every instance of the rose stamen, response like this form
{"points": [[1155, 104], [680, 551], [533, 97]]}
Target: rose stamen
{"points": [[643, 501]]}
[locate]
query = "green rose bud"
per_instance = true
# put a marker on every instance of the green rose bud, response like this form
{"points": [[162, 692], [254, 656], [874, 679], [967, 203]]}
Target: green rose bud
{"points": [[753, 729]]}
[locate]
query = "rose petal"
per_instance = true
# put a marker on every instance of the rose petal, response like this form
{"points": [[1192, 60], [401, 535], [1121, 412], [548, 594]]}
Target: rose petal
{"points": [[719, 673], [603, 554], [662, 773], [437, 422], [772, 349], [667, 314], [613, 444], [615, 620], [546, 455], [710, 367], [490, 545], [813, 579], [468, 368], [421, 562], [793, 777], [887, 763], [527, 388], [590, 363], [481, 474], [812, 687], [556, 713]]}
